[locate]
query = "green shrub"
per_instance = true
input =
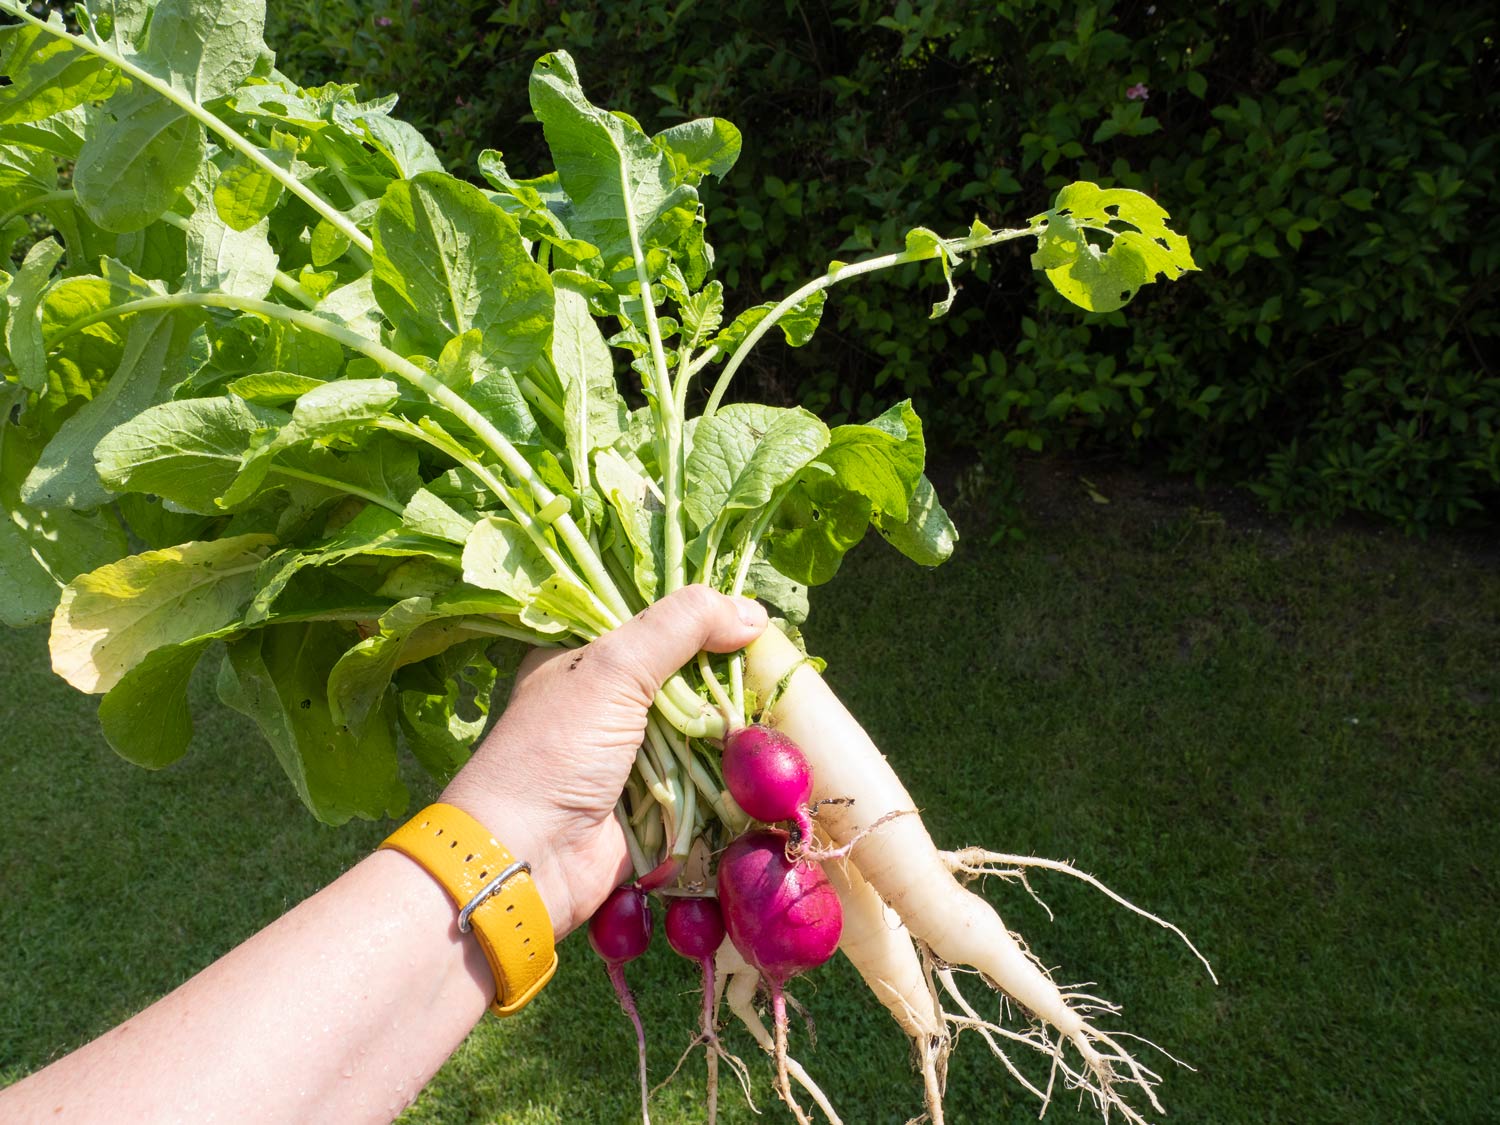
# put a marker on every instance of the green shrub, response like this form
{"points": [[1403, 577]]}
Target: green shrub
{"points": [[1332, 163]]}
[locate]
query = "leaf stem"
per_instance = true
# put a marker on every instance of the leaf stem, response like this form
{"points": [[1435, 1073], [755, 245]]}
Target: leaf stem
{"points": [[208, 119], [638, 858], [711, 681], [678, 702], [669, 422], [844, 272]]}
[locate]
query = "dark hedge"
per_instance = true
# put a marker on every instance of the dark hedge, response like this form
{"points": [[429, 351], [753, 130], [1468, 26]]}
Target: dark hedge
{"points": [[1334, 165]]}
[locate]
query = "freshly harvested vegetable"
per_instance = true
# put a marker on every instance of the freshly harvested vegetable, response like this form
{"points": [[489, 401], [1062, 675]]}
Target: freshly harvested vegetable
{"points": [[783, 916], [880, 948], [619, 932], [898, 858], [768, 776], [282, 392], [695, 930]]}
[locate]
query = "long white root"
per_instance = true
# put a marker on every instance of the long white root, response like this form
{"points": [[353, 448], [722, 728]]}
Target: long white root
{"points": [[897, 856], [972, 862], [882, 952]]}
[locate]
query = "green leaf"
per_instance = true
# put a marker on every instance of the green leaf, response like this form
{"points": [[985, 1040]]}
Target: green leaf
{"points": [[187, 452], [278, 676], [816, 525], [221, 259], [362, 674], [109, 619], [23, 324], [246, 193], [926, 242], [1141, 245], [431, 696], [637, 517], [798, 325], [411, 630], [594, 415], [562, 605], [706, 146], [927, 535], [272, 388], [326, 411], [139, 154], [765, 583], [41, 551], [882, 460], [354, 306], [538, 221], [141, 149], [498, 397], [869, 473], [403, 145], [701, 314], [47, 75], [156, 525], [619, 182], [374, 533], [65, 474], [145, 717], [743, 454], [80, 363], [498, 555], [448, 260], [328, 243], [429, 514]]}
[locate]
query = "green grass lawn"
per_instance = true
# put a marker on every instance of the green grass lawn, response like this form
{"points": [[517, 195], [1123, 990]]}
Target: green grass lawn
{"points": [[1284, 742]]}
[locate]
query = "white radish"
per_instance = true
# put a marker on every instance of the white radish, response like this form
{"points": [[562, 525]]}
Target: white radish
{"points": [[881, 951], [897, 856]]}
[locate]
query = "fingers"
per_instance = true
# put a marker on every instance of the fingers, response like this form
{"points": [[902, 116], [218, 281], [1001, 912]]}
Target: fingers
{"points": [[663, 637]]}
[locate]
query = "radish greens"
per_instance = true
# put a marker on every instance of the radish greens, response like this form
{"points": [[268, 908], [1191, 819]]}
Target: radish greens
{"points": [[282, 389]]}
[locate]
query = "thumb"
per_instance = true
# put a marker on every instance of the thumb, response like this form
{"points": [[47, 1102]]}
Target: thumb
{"points": [[663, 637]]}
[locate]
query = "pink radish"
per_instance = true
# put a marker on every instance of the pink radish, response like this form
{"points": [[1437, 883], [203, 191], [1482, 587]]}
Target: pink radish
{"points": [[695, 929], [784, 918], [768, 776], [619, 932]]}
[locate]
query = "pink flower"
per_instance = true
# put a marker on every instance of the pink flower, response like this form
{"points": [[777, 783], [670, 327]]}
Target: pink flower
{"points": [[382, 21], [1138, 92]]}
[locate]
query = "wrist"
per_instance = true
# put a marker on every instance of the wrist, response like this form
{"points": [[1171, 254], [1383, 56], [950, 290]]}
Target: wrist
{"points": [[516, 826]]}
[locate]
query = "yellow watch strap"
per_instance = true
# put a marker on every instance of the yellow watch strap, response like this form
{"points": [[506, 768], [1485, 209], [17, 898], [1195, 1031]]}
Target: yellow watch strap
{"points": [[512, 923]]}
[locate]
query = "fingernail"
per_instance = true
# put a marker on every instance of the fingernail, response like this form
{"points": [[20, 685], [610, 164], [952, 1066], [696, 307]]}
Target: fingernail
{"points": [[751, 612]]}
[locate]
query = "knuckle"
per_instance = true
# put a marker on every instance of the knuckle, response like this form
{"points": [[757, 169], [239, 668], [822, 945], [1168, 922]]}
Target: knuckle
{"points": [[697, 600]]}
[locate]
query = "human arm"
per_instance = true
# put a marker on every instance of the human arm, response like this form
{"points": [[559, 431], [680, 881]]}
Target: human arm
{"points": [[344, 1007]]}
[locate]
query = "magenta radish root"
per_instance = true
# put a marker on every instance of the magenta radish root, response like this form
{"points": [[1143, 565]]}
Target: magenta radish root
{"points": [[783, 917], [619, 932], [769, 777], [695, 930]]}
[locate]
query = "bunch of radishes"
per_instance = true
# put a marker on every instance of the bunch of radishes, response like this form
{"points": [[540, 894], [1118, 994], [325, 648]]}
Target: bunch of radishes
{"points": [[879, 889], [774, 902]]}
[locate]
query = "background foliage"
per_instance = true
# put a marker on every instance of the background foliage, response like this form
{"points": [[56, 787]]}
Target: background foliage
{"points": [[1332, 163]]}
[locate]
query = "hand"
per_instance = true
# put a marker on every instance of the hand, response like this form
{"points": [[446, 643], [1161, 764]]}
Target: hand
{"points": [[546, 779]]}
